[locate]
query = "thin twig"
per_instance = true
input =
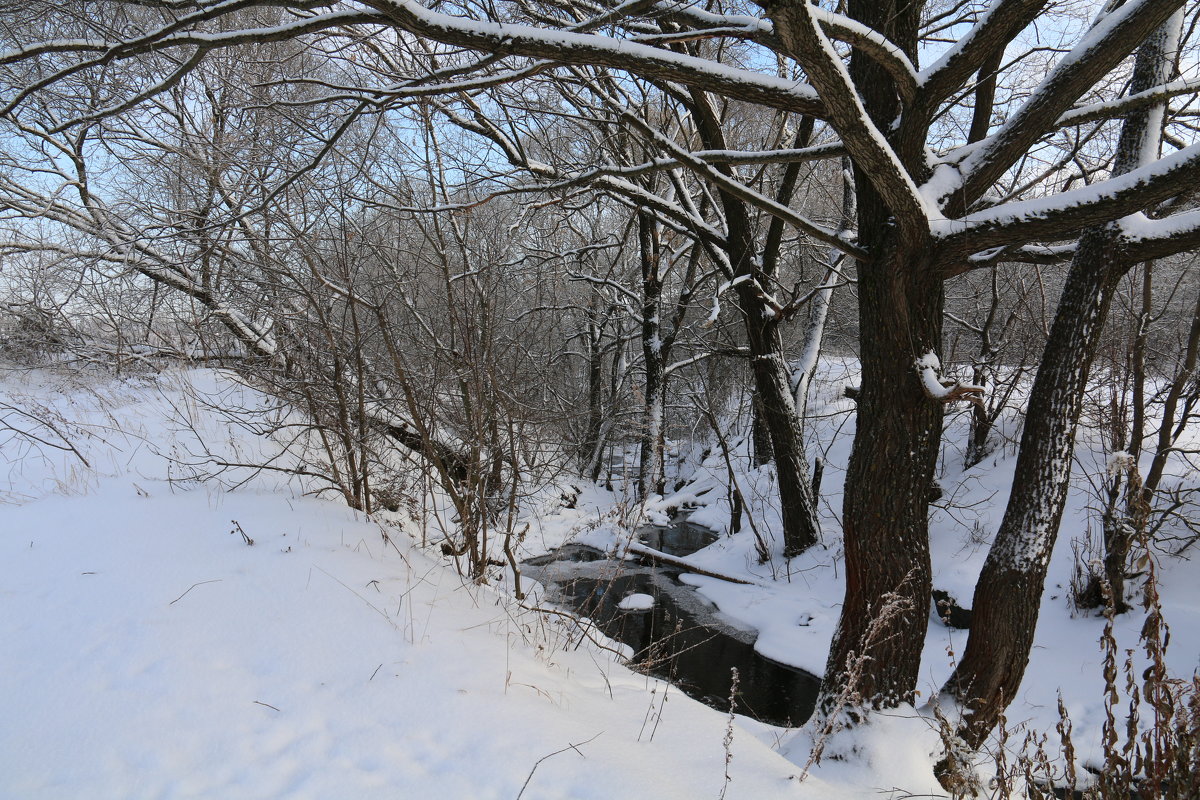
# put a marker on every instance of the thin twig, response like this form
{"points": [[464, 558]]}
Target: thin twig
{"points": [[193, 586], [580, 623], [537, 763]]}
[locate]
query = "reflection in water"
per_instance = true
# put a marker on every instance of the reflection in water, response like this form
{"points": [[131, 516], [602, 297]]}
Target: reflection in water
{"points": [[680, 538]]}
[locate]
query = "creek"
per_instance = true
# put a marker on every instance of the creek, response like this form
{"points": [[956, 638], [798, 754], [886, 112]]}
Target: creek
{"points": [[681, 637]]}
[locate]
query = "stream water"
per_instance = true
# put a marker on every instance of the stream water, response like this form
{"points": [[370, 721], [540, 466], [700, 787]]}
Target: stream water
{"points": [[681, 637]]}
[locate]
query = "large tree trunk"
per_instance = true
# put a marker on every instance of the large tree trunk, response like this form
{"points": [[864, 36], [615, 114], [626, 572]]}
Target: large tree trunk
{"points": [[1009, 592], [876, 653], [885, 510]]}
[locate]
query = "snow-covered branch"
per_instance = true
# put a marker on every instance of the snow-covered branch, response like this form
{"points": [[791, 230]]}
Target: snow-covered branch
{"points": [[799, 28], [1097, 53], [929, 367], [1058, 215]]}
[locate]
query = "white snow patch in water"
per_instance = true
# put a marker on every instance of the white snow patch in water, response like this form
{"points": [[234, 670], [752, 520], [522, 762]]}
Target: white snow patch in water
{"points": [[636, 602]]}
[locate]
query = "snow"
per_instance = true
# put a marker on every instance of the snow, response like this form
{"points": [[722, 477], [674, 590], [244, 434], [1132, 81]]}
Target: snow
{"points": [[150, 652], [954, 52], [420, 19], [795, 605], [636, 602], [1037, 208], [1119, 462], [850, 25], [1138, 227], [928, 367]]}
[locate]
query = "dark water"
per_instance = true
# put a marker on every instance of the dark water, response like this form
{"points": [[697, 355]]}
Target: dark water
{"points": [[568, 553], [680, 538], [681, 638]]}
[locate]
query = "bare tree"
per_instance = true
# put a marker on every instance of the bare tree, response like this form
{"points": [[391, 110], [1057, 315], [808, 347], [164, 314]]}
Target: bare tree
{"points": [[1008, 595], [934, 199]]}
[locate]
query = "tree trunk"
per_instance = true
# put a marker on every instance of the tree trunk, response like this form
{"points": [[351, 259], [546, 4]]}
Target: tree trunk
{"points": [[772, 383], [1009, 592], [876, 653], [981, 431], [885, 510], [1119, 534], [1167, 430], [983, 418], [818, 310], [651, 475], [593, 443], [760, 435], [773, 394]]}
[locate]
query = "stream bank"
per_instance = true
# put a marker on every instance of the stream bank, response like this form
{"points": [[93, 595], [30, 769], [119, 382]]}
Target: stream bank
{"points": [[675, 634]]}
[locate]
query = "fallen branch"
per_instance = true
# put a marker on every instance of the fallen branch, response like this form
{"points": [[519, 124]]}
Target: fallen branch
{"points": [[663, 558]]}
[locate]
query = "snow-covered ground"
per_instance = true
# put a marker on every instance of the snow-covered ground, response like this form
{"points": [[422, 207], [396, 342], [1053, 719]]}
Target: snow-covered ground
{"points": [[794, 606], [149, 651]]}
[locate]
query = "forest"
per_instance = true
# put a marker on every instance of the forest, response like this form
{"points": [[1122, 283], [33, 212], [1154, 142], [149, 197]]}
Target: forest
{"points": [[897, 301]]}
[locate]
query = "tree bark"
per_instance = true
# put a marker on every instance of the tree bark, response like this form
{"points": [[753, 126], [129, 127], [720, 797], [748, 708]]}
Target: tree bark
{"points": [[885, 512], [892, 464], [760, 435], [773, 394], [651, 476], [593, 443], [1009, 592]]}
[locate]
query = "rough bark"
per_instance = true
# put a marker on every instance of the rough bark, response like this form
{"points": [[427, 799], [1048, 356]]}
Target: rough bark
{"points": [[593, 442], [773, 394], [887, 486], [760, 434], [895, 448], [1009, 592]]}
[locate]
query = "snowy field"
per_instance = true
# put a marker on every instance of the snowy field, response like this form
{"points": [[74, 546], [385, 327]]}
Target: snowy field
{"points": [[150, 651]]}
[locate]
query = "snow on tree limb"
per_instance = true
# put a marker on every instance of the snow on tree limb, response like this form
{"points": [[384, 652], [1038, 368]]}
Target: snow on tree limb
{"points": [[936, 388], [1060, 214], [1099, 51], [596, 50], [799, 29], [997, 26], [1111, 109]]}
